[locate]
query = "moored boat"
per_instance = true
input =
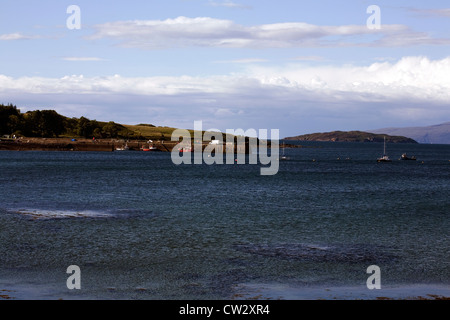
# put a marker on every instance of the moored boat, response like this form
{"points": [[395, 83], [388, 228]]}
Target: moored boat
{"points": [[150, 148], [405, 157], [123, 148], [385, 157]]}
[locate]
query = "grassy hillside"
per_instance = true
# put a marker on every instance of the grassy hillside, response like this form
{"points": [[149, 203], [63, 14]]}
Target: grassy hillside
{"points": [[50, 124], [149, 131]]}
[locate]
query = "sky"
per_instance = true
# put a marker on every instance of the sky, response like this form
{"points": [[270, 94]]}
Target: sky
{"points": [[296, 66]]}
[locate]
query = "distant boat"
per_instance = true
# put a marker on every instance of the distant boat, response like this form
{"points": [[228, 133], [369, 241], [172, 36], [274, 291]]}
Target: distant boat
{"points": [[185, 149], [283, 156], [150, 147], [123, 148], [405, 157], [385, 157]]}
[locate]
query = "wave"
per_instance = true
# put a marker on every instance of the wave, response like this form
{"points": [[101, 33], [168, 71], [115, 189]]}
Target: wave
{"points": [[61, 214]]}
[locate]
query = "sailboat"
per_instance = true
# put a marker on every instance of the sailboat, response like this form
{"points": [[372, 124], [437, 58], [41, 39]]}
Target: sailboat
{"points": [[283, 156], [385, 157]]}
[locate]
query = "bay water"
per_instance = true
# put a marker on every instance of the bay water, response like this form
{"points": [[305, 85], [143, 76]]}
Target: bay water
{"points": [[140, 227]]}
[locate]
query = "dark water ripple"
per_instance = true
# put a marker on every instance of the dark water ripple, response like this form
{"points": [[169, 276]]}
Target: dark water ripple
{"points": [[321, 253]]}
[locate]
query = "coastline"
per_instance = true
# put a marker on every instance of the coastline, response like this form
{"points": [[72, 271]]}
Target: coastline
{"points": [[260, 292], [273, 291], [102, 145], [70, 144]]}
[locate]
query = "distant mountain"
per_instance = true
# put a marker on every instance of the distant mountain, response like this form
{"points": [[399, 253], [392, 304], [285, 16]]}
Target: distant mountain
{"points": [[438, 134], [351, 136]]}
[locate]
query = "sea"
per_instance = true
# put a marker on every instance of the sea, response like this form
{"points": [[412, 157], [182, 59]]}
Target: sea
{"points": [[139, 227]]}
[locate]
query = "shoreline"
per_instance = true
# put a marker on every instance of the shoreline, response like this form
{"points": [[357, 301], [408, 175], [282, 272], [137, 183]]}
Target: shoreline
{"points": [[70, 144], [274, 291], [104, 145], [260, 292]]}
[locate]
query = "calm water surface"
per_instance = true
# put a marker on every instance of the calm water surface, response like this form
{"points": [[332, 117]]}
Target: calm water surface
{"points": [[140, 227]]}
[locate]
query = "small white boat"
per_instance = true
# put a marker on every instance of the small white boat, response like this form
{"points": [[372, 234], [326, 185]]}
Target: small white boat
{"points": [[150, 148], [123, 148], [385, 157]]}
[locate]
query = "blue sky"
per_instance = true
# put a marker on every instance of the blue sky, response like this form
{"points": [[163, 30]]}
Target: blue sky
{"points": [[296, 66]]}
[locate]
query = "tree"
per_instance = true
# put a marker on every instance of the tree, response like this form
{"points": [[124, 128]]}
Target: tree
{"points": [[85, 127], [52, 123], [33, 124], [98, 133], [6, 111], [45, 123], [15, 124], [111, 129]]}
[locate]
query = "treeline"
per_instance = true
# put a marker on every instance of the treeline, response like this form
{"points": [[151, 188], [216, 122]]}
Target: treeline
{"points": [[49, 124]]}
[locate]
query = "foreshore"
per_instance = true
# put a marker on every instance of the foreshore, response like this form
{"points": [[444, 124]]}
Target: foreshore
{"points": [[286, 292], [265, 292], [103, 145], [69, 144]]}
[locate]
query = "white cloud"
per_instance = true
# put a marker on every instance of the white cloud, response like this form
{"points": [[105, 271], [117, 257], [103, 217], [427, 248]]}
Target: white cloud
{"points": [[211, 32], [14, 36], [412, 88], [444, 12], [417, 77]]}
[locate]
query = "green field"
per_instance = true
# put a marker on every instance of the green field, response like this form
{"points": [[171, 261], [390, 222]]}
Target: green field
{"points": [[152, 132]]}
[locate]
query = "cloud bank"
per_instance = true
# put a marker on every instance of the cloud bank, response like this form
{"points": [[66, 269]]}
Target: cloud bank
{"points": [[211, 32], [412, 88], [417, 78]]}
